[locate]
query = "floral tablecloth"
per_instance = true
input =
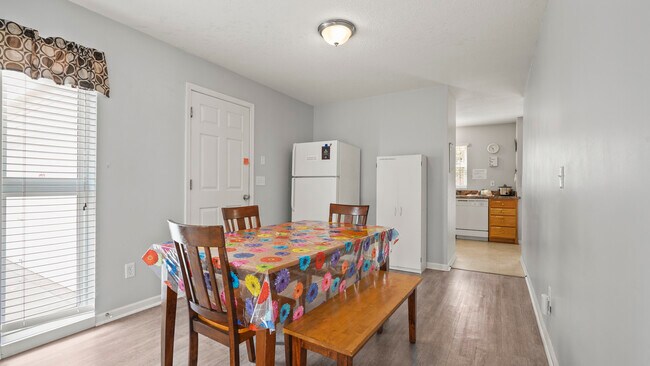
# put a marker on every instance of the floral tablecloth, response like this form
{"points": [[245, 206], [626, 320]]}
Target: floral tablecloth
{"points": [[280, 272]]}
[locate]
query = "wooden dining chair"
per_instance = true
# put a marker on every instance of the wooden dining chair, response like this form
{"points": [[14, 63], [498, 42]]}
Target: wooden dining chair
{"points": [[241, 218], [207, 314], [350, 214]]}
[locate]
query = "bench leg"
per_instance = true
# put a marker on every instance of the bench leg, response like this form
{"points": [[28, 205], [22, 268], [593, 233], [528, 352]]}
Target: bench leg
{"points": [[343, 360], [412, 316], [384, 267], [298, 353], [287, 349]]}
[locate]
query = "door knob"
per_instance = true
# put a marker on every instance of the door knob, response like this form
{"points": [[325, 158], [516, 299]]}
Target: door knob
{"points": [[246, 197]]}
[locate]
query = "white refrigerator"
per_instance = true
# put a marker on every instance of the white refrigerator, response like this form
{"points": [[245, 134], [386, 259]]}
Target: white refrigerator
{"points": [[323, 172]]}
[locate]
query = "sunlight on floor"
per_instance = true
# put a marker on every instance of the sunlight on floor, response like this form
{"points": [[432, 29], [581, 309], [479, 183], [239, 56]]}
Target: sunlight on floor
{"points": [[488, 257]]}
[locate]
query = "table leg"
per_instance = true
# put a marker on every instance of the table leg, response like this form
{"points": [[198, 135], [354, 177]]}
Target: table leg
{"points": [[265, 347], [287, 349], [298, 352], [169, 300]]}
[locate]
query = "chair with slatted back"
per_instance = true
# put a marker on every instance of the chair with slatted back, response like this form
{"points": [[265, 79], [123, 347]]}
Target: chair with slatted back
{"points": [[241, 218], [209, 314], [350, 214]]}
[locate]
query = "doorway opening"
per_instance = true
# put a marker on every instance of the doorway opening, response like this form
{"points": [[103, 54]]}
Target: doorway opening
{"points": [[488, 191]]}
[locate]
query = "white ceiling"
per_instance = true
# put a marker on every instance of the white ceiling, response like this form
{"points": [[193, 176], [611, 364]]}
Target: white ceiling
{"points": [[482, 49]]}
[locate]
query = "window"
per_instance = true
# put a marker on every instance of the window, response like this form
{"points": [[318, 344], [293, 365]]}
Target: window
{"points": [[461, 166], [48, 205]]}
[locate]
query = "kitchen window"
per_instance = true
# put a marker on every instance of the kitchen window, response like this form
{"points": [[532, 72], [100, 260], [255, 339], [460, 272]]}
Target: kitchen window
{"points": [[461, 166], [47, 256]]}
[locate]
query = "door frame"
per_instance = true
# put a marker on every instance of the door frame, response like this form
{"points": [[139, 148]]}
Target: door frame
{"points": [[189, 88]]}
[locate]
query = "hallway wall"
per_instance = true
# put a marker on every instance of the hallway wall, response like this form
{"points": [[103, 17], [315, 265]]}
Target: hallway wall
{"points": [[587, 109]]}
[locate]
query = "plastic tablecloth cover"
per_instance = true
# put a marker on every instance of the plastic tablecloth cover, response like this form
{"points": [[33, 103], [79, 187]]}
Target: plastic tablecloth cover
{"points": [[281, 272]]}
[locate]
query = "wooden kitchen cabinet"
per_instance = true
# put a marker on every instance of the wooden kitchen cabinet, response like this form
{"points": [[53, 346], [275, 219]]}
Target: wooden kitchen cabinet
{"points": [[503, 220]]}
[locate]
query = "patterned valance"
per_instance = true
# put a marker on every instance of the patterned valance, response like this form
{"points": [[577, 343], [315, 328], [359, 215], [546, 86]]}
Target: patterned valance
{"points": [[64, 62]]}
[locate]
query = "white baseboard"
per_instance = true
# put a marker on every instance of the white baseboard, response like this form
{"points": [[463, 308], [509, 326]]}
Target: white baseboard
{"points": [[438, 266], [546, 338], [127, 310]]}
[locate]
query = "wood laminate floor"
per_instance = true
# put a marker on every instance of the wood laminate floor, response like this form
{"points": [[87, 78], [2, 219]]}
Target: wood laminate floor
{"points": [[464, 318], [483, 256]]}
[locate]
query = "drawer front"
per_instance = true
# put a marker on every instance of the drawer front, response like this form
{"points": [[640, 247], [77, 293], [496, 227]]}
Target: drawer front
{"points": [[503, 232], [512, 203], [507, 221], [503, 211]]}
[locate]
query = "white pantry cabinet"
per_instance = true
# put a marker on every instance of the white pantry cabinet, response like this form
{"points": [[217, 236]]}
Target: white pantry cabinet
{"points": [[402, 204]]}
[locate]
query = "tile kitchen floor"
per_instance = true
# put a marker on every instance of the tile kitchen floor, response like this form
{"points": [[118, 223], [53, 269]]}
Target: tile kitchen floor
{"points": [[488, 257]]}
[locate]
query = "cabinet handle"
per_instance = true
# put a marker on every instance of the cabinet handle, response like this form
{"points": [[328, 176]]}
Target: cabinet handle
{"points": [[400, 211], [395, 213]]}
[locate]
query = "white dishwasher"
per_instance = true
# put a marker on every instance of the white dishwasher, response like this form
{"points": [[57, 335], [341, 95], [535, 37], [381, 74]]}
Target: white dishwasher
{"points": [[472, 217]]}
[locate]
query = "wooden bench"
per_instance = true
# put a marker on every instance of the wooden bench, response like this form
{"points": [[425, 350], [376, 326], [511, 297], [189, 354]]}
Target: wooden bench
{"points": [[339, 328]]}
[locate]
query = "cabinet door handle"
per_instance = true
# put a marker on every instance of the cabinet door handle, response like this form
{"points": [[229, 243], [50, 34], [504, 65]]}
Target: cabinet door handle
{"points": [[395, 213], [400, 211]]}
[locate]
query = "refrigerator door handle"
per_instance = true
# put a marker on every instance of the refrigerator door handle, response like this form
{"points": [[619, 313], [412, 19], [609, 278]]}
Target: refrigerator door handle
{"points": [[293, 192]]}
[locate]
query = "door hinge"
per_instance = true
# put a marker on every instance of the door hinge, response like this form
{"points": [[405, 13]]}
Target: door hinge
{"points": [[190, 184], [191, 112]]}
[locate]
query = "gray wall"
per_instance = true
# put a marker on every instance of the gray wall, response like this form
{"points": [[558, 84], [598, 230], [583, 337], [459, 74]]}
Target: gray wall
{"points": [[412, 122], [587, 109], [141, 138], [478, 137]]}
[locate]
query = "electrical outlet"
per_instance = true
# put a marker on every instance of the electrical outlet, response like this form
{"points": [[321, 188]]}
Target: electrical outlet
{"points": [[262, 160], [129, 270], [492, 183], [547, 305]]}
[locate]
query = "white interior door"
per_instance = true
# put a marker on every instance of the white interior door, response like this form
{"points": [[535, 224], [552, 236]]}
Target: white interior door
{"points": [[219, 153]]}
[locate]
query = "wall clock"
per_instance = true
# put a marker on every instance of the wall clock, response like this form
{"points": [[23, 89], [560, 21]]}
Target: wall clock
{"points": [[493, 148]]}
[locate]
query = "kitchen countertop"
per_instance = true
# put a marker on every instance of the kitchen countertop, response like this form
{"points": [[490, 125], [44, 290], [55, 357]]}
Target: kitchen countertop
{"points": [[489, 197]]}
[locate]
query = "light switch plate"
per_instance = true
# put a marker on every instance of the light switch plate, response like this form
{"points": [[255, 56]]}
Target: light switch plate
{"points": [[260, 180], [129, 270]]}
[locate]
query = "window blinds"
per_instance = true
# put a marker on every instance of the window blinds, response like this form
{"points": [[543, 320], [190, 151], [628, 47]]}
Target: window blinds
{"points": [[48, 202]]}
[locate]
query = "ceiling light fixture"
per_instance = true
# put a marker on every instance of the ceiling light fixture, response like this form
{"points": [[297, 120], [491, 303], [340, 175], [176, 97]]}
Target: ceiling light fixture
{"points": [[336, 31]]}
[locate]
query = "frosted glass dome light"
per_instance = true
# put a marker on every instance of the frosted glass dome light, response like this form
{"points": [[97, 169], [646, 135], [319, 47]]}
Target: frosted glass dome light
{"points": [[336, 31]]}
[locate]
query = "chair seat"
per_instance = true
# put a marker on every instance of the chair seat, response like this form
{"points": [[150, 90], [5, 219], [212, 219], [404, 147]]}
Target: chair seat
{"points": [[222, 327]]}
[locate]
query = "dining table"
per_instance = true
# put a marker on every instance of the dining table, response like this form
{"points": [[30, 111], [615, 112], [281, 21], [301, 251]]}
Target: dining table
{"points": [[279, 273]]}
